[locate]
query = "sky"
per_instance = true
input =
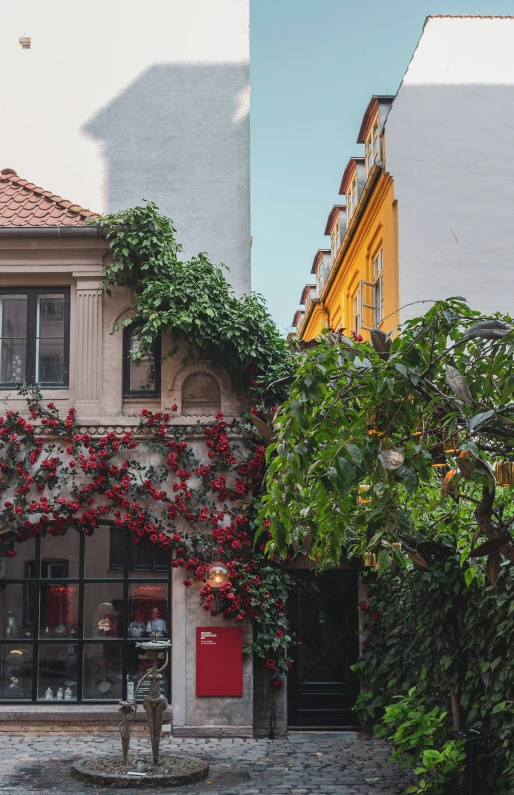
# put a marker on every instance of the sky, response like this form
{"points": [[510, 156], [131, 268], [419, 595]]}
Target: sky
{"points": [[314, 66]]}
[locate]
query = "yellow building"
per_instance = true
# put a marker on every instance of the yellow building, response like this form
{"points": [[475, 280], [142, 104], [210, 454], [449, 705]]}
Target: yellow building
{"points": [[357, 280]]}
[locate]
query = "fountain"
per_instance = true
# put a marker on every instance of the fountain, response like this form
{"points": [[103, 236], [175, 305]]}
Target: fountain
{"points": [[160, 770]]}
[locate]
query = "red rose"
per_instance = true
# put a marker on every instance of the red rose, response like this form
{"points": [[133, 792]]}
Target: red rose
{"points": [[10, 553], [187, 582]]}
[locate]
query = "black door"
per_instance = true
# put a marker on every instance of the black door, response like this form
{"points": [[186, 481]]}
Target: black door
{"points": [[321, 688]]}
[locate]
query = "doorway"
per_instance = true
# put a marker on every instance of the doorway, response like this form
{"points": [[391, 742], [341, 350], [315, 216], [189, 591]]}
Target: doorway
{"points": [[321, 688]]}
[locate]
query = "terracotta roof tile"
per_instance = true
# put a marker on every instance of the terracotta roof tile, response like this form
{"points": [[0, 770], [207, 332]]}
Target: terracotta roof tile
{"points": [[24, 204]]}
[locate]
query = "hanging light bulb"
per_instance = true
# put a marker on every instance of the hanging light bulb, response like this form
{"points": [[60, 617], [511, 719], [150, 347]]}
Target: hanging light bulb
{"points": [[505, 473]]}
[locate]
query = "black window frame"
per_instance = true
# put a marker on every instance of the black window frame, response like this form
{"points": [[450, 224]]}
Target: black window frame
{"points": [[32, 294], [139, 393], [126, 579]]}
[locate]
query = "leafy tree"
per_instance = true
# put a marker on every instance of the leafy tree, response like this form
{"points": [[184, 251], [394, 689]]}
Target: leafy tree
{"points": [[395, 442], [191, 299]]}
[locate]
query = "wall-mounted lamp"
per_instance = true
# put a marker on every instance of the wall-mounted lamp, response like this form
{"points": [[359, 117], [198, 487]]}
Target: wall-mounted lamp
{"points": [[217, 575], [25, 42]]}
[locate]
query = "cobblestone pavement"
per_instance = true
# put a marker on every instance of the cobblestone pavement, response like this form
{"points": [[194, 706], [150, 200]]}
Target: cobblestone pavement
{"points": [[327, 763]]}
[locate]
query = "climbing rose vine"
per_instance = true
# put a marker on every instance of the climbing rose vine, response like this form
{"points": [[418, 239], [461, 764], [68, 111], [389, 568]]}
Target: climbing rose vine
{"points": [[150, 482]]}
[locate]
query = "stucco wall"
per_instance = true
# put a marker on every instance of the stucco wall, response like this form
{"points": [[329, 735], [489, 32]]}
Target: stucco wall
{"points": [[117, 102], [450, 151]]}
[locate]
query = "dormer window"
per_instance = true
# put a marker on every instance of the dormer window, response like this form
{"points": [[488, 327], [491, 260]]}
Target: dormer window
{"points": [[334, 239], [372, 145], [352, 197]]}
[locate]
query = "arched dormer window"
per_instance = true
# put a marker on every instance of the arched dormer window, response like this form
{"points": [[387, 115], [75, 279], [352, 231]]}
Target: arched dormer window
{"points": [[141, 378], [201, 395]]}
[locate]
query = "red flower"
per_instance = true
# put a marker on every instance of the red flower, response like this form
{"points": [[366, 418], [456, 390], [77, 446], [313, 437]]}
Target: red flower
{"points": [[277, 682], [10, 553], [187, 582]]}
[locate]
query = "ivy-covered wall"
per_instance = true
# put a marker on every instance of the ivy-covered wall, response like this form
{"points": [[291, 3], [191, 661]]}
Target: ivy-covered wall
{"points": [[430, 631]]}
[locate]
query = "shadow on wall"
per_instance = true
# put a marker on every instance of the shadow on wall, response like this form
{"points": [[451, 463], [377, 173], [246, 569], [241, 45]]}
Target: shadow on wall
{"points": [[179, 136]]}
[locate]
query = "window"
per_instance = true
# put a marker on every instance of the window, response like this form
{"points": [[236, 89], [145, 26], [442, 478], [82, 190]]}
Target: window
{"points": [[334, 240], [372, 145], [378, 288], [357, 310], [34, 336], [71, 609], [141, 378], [351, 198]]}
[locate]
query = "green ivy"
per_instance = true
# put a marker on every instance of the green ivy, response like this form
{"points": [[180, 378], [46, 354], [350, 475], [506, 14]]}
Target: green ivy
{"points": [[192, 300], [430, 637]]}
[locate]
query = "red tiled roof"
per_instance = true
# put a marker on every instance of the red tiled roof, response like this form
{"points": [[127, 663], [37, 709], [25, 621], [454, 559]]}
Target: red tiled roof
{"points": [[24, 204]]}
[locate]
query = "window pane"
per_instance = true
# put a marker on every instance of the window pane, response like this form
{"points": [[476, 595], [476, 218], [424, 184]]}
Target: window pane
{"points": [[142, 372], [148, 611], [103, 610], [59, 611], [16, 611], [60, 556], [50, 361], [102, 672], [57, 674], [12, 360], [146, 560], [16, 671], [13, 316], [105, 552], [22, 565], [50, 314]]}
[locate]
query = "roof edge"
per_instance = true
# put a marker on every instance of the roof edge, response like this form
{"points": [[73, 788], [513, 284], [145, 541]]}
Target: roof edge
{"points": [[53, 231]]}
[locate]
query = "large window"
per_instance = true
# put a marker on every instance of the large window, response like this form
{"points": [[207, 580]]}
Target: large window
{"points": [[34, 336], [378, 288], [71, 611], [141, 376], [372, 145]]}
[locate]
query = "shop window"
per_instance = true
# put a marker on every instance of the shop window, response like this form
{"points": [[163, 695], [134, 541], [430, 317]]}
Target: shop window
{"points": [[34, 336], [68, 625], [201, 395], [141, 376]]}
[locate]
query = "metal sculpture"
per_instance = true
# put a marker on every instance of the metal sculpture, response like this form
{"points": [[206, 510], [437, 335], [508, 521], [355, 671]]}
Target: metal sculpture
{"points": [[155, 704]]}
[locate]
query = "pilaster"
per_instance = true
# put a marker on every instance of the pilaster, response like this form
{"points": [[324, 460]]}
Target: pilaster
{"points": [[89, 349]]}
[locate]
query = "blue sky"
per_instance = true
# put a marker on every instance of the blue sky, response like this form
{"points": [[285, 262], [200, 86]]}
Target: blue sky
{"points": [[315, 65]]}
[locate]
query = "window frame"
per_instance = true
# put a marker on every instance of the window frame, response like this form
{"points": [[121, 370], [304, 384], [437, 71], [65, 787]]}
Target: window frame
{"points": [[372, 144], [357, 310], [81, 640], [352, 197], [139, 393], [378, 288], [32, 294]]}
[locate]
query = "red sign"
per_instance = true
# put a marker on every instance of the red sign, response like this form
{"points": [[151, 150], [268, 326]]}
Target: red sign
{"points": [[219, 661]]}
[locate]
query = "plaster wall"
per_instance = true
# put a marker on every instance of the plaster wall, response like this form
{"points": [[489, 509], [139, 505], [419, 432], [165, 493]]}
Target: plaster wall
{"points": [[119, 102], [450, 152]]}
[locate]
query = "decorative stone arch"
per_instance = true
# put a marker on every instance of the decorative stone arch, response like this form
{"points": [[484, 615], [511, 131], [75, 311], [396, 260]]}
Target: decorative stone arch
{"points": [[200, 390], [120, 317]]}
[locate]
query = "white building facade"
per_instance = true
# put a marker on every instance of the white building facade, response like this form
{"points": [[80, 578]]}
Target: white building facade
{"points": [[450, 151], [119, 102]]}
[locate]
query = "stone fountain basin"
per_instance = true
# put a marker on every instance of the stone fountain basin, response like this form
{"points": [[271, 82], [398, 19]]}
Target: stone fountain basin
{"points": [[170, 771]]}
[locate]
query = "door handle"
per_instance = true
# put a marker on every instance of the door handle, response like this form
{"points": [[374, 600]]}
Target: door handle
{"points": [[297, 643]]}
